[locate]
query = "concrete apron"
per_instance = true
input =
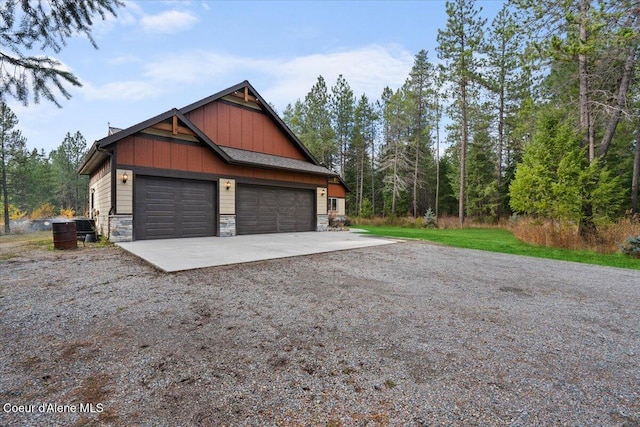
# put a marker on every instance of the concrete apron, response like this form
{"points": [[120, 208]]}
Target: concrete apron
{"points": [[172, 255]]}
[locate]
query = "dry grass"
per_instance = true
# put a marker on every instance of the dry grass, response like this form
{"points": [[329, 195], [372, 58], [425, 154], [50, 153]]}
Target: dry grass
{"points": [[552, 234], [564, 235]]}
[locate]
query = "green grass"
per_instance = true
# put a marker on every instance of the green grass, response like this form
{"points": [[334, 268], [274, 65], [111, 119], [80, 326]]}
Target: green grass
{"points": [[501, 240]]}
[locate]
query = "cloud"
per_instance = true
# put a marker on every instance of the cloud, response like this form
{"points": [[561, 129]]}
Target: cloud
{"points": [[171, 21], [131, 90], [191, 75], [367, 70]]}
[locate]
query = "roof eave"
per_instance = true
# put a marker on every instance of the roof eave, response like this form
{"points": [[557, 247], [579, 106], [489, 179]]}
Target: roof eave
{"points": [[92, 160]]}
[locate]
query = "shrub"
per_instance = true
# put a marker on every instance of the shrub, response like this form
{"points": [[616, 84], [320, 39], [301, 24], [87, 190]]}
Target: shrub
{"points": [[631, 247], [45, 210], [15, 214], [67, 212]]}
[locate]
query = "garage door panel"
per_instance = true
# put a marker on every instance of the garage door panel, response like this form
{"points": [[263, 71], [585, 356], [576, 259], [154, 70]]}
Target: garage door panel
{"points": [[172, 208], [274, 210]]}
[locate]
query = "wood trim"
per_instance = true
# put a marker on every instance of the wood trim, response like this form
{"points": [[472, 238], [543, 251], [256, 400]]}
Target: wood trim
{"points": [[251, 107], [240, 180], [178, 140], [272, 183], [170, 173], [174, 128]]}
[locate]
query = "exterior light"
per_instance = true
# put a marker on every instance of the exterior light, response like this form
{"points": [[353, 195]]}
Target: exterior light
{"points": [[227, 185], [322, 192], [125, 177]]}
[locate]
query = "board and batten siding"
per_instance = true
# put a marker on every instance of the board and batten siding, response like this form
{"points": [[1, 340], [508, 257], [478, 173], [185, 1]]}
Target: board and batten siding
{"points": [[145, 151], [243, 128], [227, 196], [101, 203], [124, 192]]}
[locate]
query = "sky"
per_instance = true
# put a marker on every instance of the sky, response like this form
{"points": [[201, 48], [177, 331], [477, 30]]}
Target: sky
{"points": [[157, 55]]}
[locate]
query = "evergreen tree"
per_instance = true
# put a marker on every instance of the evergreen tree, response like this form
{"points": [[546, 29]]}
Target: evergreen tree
{"points": [[317, 133], [458, 45], [358, 159], [71, 188], [394, 163], [342, 111], [12, 145], [482, 183], [508, 83], [555, 177], [25, 25], [595, 46], [421, 92]]}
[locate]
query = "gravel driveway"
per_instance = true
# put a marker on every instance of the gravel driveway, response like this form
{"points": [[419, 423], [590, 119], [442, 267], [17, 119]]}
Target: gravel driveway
{"points": [[405, 334]]}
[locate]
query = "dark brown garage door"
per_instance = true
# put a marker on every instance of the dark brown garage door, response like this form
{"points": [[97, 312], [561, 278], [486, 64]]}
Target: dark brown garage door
{"points": [[167, 208], [274, 210]]}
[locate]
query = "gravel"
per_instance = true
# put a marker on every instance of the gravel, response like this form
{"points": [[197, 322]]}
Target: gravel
{"points": [[407, 334]]}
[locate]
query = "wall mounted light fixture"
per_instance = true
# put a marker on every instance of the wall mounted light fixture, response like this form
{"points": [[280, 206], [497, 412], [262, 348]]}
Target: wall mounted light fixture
{"points": [[125, 178], [322, 192], [227, 185]]}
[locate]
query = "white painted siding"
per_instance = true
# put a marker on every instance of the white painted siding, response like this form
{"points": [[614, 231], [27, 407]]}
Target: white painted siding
{"points": [[102, 203], [342, 208], [227, 197], [124, 192]]}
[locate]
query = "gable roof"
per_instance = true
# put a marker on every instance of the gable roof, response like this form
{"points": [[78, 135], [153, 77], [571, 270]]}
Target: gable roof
{"points": [[100, 149], [97, 152], [263, 104]]}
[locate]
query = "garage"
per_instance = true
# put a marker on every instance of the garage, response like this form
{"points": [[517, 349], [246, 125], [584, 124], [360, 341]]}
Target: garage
{"points": [[262, 209], [166, 208]]}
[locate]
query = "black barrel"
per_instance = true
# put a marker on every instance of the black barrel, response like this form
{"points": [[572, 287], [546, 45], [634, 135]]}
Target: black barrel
{"points": [[64, 235]]}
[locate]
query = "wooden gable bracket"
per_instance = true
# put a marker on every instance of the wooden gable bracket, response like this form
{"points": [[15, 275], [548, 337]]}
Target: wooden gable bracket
{"points": [[245, 96], [174, 127]]}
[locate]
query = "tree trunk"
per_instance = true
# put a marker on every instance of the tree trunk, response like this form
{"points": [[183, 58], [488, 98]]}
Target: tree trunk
{"points": [[621, 100], [415, 178], [463, 152], [583, 99], [5, 194], [500, 145], [437, 161], [636, 174], [373, 192]]}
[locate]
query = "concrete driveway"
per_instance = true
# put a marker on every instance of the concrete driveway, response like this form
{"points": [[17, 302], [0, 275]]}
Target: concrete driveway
{"points": [[185, 254]]}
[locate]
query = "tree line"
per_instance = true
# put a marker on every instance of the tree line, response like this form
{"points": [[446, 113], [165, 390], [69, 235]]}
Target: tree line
{"points": [[538, 108], [36, 183]]}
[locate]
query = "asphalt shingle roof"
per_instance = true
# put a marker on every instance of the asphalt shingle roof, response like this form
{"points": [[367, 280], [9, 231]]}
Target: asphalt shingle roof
{"points": [[269, 160]]}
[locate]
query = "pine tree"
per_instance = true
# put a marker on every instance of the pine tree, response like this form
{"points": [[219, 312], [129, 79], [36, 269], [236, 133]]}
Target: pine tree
{"points": [[507, 81], [71, 188], [317, 133], [458, 45], [421, 92], [12, 144], [394, 163], [595, 45], [358, 159], [342, 110], [25, 25]]}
